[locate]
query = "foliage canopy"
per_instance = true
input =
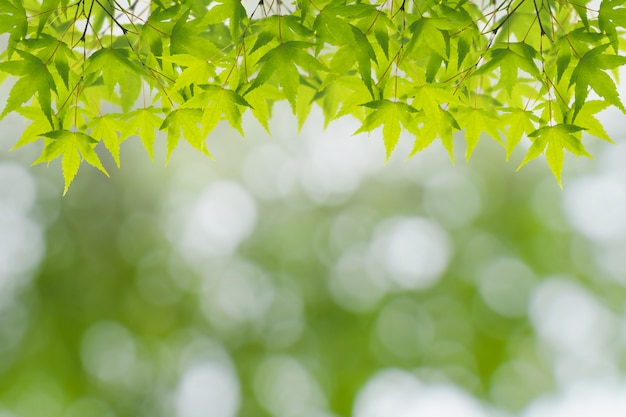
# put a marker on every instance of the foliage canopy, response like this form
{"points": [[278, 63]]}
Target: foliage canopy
{"points": [[91, 71]]}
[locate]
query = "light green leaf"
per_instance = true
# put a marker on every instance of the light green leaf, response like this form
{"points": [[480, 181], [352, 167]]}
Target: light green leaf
{"points": [[13, 21], [35, 79], [144, 122], [590, 73], [475, 122], [107, 128], [228, 10], [197, 71], [280, 63], [586, 119], [554, 140], [218, 103], [187, 121], [520, 122], [390, 115], [71, 147], [429, 34], [510, 58], [39, 124], [260, 99]]}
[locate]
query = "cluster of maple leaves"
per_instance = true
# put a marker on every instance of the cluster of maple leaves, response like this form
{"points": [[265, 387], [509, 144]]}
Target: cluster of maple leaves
{"points": [[91, 71]]}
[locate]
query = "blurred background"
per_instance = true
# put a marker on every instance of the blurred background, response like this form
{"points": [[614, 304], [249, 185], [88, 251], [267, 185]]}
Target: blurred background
{"points": [[298, 275]]}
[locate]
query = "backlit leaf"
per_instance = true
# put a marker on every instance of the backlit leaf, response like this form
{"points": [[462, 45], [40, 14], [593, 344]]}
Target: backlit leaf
{"points": [[554, 140], [72, 147], [391, 115]]}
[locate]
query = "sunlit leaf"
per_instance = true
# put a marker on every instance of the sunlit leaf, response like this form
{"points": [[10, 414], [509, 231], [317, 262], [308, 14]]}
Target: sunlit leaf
{"points": [[391, 115], [590, 73], [554, 140], [72, 147]]}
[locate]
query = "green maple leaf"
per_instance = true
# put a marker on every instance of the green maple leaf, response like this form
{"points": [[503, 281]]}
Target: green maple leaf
{"points": [[47, 8], [282, 62], [187, 121], [564, 57], [390, 115], [555, 140], [341, 95], [227, 10], [365, 54], [331, 28], [586, 117], [71, 147], [438, 122], [143, 122], [50, 48], [590, 73], [13, 21], [218, 103], [38, 123], [107, 128], [610, 18], [510, 58], [197, 70], [260, 100], [429, 34], [187, 37], [35, 79], [520, 123], [116, 67], [433, 128], [356, 48], [12, 16], [304, 104], [476, 121]]}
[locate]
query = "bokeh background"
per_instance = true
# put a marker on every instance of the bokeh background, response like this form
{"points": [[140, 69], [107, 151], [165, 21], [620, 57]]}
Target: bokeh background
{"points": [[299, 275]]}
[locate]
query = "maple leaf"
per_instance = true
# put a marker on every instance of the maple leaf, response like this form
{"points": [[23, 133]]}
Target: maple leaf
{"points": [[227, 10], [197, 70], [356, 48], [510, 58], [341, 95], [107, 128], [476, 121], [48, 48], [554, 140], [438, 122], [429, 34], [260, 100], [331, 27], [433, 128], [282, 62], [586, 117], [38, 123], [35, 79], [519, 122], [115, 67], [589, 73], [71, 147], [13, 21], [218, 103], [143, 122], [187, 37], [390, 115], [610, 17], [186, 120], [47, 9]]}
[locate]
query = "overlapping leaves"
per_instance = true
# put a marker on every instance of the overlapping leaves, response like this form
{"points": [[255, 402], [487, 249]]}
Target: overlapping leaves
{"points": [[89, 72]]}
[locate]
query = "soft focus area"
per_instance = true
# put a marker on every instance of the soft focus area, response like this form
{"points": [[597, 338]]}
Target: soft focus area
{"points": [[299, 275]]}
